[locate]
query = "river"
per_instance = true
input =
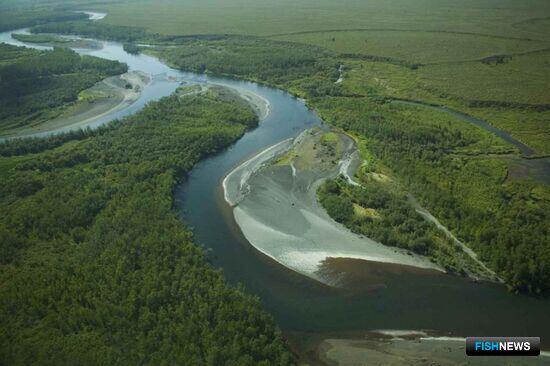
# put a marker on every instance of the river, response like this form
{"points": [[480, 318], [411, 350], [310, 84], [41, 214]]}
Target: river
{"points": [[448, 305]]}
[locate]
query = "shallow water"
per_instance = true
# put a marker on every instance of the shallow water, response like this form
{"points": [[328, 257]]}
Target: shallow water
{"points": [[448, 304]]}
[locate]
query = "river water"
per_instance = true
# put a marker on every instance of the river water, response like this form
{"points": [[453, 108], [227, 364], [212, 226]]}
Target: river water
{"points": [[450, 305]]}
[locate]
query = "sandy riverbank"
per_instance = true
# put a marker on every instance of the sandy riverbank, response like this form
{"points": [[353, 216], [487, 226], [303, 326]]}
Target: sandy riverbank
{"points": [[50, 40], [260, 105], [395, 347], [105, 97], [410, 348], [274, 194]]}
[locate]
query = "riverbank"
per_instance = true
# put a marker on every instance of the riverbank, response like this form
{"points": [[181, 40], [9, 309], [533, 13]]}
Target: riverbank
{"points": [[275, 205], [107, 97], [260, 105], [400, 347], [48, 40]]}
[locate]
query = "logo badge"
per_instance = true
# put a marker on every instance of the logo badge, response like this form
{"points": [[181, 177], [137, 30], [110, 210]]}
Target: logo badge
{"points": [[503, 346]]}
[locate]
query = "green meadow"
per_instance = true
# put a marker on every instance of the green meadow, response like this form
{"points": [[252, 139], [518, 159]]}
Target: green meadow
{"points": [[423, 47], [522, 79], [265, 17], [512, 96]]}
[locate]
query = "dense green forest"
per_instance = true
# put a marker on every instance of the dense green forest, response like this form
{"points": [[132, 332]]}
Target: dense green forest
{"points": [[33, 83], [131, 48], [276, 63], [96, 268], [93, 30], [17, 18], [39, 38], [384, 215]]}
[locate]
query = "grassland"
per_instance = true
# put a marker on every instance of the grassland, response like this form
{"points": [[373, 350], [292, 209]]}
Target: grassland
{"points": [[418, 47], [536, 26], [512, 96], [264, 17], [524, 79], [483, 58]]}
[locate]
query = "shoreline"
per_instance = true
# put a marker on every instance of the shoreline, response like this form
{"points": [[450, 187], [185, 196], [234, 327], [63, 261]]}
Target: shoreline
{"points": [[139, 80], [307, 236], [261, 105], [394, 347], [256, 161], [267, 260]]}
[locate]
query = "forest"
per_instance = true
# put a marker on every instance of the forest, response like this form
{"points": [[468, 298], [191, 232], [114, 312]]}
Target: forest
{"points": [[93, 30], [381, 213], [33, 83], [96, 268], [275, 63], [14, 18], [450, 169], [39, 38]]}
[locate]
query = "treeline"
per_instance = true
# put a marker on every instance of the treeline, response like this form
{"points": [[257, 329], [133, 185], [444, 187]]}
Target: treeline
{"points": [[392, 222], [390, 60], [131, 48], [39, 38], [128, 34], [31, 145], [386, 216], [275, 63], [511, 105], [16, 18], [96, 268], [93, 29], [33, 82]]}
